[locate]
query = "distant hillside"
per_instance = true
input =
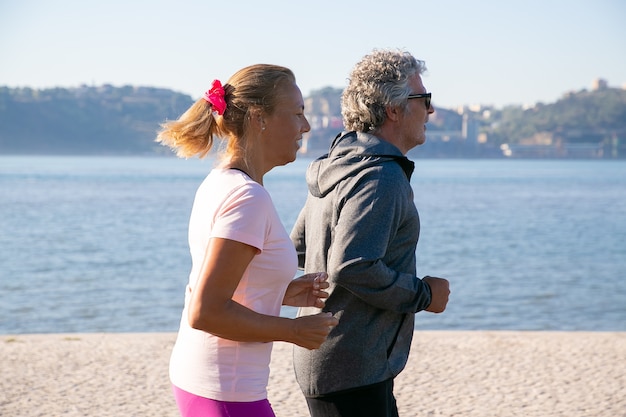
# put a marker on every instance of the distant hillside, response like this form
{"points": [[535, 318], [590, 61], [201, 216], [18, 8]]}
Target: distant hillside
{"points": [[584, 116], [85, 120], [124, 120]]}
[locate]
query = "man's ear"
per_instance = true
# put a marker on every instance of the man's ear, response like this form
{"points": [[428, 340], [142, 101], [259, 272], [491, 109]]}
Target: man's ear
{"points": [[393, 113]]}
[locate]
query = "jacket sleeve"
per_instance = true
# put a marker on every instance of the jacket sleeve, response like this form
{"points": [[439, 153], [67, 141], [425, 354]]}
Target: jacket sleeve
{"points": [[368, 238], [298, 238]]}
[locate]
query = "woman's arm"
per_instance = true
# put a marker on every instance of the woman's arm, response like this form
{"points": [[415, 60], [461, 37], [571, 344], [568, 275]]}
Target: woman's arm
{"points": [[213, 310]]}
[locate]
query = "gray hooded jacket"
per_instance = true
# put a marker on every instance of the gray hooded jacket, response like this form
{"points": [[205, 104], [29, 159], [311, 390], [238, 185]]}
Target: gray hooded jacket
{"points": [[360, 225]]}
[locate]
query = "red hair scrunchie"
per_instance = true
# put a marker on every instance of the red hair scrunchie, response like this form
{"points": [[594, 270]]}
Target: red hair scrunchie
{"points": [[215, 97]]}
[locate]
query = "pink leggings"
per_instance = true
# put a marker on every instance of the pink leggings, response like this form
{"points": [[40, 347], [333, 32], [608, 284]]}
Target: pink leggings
{"points": [[191, 405]]}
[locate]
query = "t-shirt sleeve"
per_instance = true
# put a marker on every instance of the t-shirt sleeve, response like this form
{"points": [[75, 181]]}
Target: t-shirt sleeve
{"points": [[243, 216]]}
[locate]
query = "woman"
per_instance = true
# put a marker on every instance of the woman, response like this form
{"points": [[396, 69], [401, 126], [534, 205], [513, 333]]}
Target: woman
{"points": [[243, 261]]}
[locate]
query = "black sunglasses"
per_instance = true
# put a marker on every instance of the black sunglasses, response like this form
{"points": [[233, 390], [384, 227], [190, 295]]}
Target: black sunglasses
{"points": [[426, 96]]}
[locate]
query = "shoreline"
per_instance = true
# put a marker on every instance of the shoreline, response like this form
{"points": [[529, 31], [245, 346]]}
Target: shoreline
{"points": [[449, 373]]}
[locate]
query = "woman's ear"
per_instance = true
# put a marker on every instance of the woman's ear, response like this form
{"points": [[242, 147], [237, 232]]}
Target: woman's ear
{"points": [[257, 120]]}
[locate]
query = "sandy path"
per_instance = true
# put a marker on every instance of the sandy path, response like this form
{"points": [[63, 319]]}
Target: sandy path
{"points": [[475, 373]]}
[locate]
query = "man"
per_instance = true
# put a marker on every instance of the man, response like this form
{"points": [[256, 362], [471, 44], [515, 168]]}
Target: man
{"points": [[360, 224]]}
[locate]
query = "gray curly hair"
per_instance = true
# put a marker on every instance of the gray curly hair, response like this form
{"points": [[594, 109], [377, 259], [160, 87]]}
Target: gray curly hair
{"points": [[379, 80]]}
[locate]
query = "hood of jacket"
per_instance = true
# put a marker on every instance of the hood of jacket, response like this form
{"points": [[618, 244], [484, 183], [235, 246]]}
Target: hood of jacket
{"points": [[351, 152]]}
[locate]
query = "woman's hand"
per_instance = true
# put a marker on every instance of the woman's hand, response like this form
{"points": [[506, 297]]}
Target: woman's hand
{"points": [[307, 291], [311, 331]]}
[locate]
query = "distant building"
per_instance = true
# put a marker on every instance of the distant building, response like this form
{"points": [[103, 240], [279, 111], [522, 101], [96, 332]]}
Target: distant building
{"points": [[599, 84]]}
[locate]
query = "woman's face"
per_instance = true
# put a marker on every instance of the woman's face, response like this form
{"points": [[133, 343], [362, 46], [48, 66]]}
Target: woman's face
{"points": [[284, 128]]}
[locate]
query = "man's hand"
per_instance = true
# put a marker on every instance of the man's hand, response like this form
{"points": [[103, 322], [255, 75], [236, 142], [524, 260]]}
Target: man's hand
{"points": [[440, 291]]}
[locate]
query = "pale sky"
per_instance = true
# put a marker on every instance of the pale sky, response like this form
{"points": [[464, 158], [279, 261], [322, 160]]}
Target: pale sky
{"points": [[492, 52]]}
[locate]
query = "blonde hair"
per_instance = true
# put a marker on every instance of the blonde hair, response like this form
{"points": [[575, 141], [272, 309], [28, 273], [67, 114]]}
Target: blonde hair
{"points": [[252, 89]]}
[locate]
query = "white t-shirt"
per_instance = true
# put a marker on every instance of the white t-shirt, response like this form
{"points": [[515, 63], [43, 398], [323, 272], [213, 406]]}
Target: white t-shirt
{"points": [[230, 205]]}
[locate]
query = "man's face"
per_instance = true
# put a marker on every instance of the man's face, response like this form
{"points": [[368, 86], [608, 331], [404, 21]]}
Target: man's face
{"points": [[414, 119]]}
